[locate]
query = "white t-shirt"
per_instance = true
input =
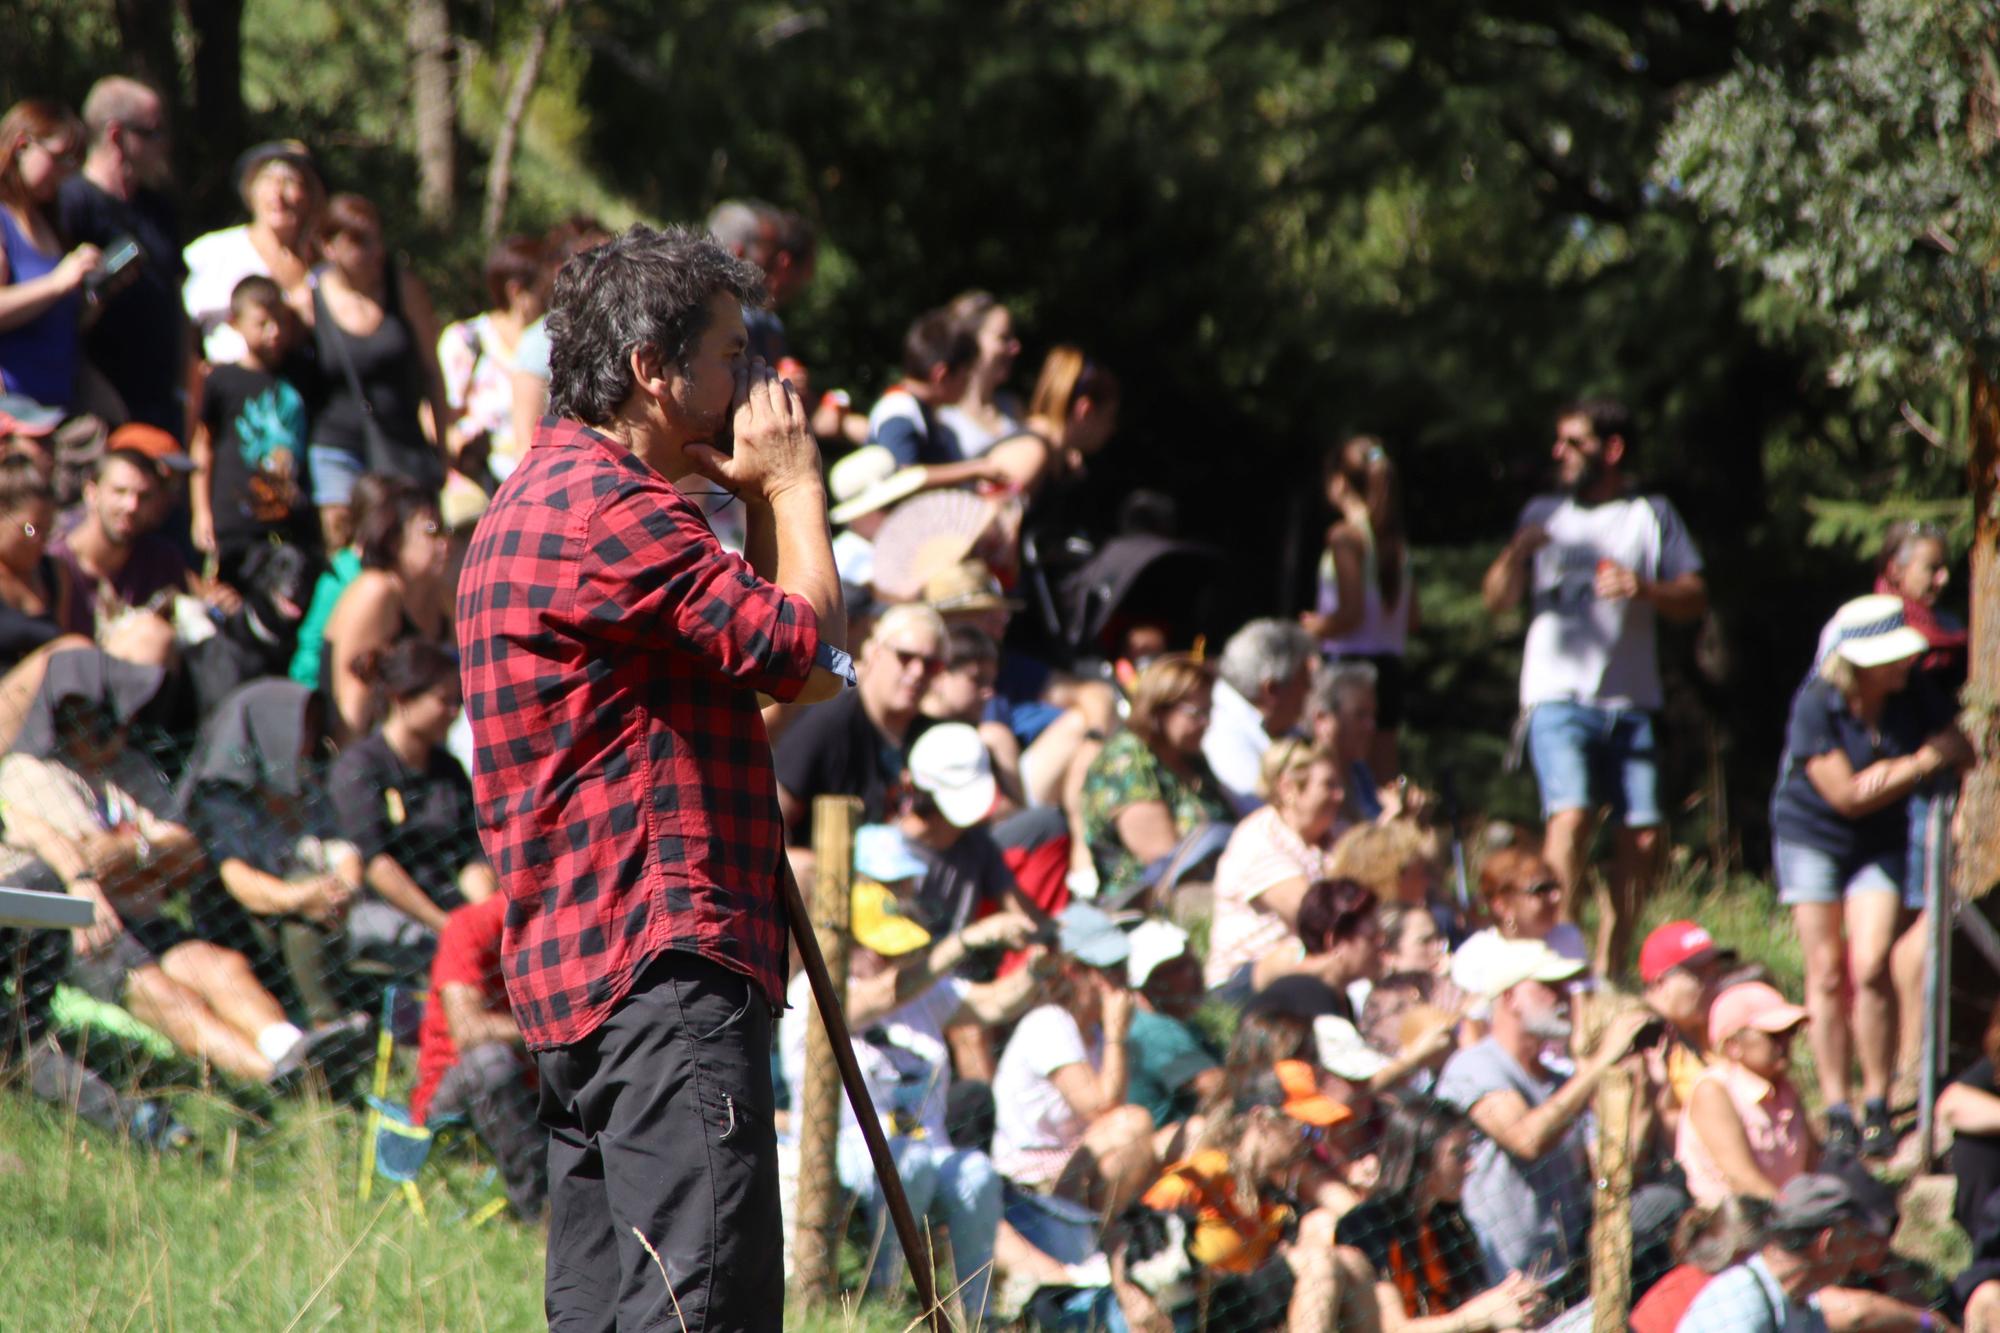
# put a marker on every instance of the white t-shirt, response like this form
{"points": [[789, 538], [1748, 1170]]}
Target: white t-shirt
{"points": [[1035, 1129], [974, 439], [1581, 649], [215, 264], [1234, 746], [904, 1060], [1262, 851], [854, 558]]}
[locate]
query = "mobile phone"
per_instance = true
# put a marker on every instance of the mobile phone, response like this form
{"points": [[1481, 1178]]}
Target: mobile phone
{"points": [[123, 253]]}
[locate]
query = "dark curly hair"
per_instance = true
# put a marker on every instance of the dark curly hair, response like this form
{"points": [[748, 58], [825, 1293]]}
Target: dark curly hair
{"points": [[644, 288]]}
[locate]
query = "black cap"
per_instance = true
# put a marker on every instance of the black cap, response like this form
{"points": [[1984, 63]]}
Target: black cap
{"points": [[292, 151]]}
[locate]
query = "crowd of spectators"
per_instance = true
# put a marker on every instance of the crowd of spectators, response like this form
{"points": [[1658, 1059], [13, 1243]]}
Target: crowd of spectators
{"points": [[1160, 982]]}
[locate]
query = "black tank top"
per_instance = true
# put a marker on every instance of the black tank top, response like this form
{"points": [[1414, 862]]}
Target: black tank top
{"points": [[386, 366]]}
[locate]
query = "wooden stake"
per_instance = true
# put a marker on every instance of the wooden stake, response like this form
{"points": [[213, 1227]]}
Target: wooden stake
{"points": [[1611, 1225]]}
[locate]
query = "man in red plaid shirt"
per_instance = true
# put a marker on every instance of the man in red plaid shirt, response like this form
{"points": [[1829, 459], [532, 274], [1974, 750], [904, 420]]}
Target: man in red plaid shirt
{"points": [[613, 653]]}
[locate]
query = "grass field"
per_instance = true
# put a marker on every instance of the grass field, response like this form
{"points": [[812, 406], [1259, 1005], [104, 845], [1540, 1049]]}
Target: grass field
{"points": [[260, 1227]]}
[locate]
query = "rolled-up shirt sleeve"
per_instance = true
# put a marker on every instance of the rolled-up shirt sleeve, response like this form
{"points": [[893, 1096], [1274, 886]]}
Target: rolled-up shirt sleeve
{"points": [[653, 572]]}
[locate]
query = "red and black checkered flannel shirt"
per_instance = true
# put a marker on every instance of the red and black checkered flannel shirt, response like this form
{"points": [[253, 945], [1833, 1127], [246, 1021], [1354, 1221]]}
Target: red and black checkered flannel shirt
{"points": [[611, 651]]}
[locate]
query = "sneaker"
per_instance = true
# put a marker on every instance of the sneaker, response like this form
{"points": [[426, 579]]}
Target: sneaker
{"points": [[1878, 1137], [336, 1049], [1843, 1140]]}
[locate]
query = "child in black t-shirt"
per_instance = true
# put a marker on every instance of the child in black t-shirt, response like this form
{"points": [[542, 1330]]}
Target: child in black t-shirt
{"points": [[250, 443]]}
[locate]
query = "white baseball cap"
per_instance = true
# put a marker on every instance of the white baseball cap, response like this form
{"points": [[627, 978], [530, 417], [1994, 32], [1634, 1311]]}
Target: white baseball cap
{"points": [[1153, 942], [949, 763], [1494, 966]]}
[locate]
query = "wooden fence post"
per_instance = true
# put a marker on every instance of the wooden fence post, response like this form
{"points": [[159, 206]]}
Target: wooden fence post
{"points": [[1611, 1224], [816, 1249]]}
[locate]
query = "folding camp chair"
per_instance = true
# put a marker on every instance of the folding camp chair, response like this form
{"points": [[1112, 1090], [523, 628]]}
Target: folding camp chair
{"points": [[393, 1146]]}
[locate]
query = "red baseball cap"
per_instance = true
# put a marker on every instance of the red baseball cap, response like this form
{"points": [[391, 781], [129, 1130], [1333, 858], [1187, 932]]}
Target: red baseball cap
{"points": [[1673, 945]]}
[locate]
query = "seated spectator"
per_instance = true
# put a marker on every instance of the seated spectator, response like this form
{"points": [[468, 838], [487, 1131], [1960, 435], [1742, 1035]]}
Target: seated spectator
{"points": [[41, 286], [1173, 1072], [1257, 1266], [902, 999], [1412, 944], [1404, 1009], [1679, 965], [124, 575], [960, 691], [1339, 941], [1528, 1197], [267, 827], [35, 591], [375, 336], [1064, 1123], [471, 1061], [249, 445], [139, 342], [1398, 861], [476, 358], [400, 595], [282, 192], [1429, 1273], [853, 745], [1745, 1130], [77, 797], [406, 805], [987, 412], [1970, 1106], [1810, 1238], [1860, 741], [1342, 718], [371, 492], [1523, 897], [861, 489], [1273, 856], [1149, 788], [1707, 1241], [937, 361], [1265, 671], [258, 638]]}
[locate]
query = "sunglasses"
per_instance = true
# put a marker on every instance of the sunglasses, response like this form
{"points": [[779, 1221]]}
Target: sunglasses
{"points": [[907, 659], [1542, 888]]}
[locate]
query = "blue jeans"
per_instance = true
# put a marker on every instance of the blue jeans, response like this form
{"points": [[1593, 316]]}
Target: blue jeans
{"points": [[333, 471], [1809, 875], [1067, 1232], [957, 1187], [1586, 756]]}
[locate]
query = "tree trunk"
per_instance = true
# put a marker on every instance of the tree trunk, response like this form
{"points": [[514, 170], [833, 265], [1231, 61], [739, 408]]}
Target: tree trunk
{"points": [[433, 108], [215, 132], [500, 174], [146, 33], [1979, 851]]}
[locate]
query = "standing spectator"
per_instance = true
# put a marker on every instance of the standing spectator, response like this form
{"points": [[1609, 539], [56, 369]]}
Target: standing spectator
{"points": [[476, 357], [1073, 412], [1065, 1124], [748, 229], [140, 342], [281, 190], [986, 413], [530, 370], [624, 780], [42, 285], [122, 571], [854, 746], [1173, 1072], [371, 492], [405, 804], [249, 446], [1679, 966], [471, 1060], [401, 593], [1367, 603], [1430, 1277], [1266, 670], [268, 830], [1859, 742], [1745, 1130], [1602, 564], [1815, 1226], [1149, 788], [376, 338], [1528, 1195], [1274, 855]]}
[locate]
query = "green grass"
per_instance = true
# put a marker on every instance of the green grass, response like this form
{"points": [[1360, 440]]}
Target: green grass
{"points": [[265, 1231]]}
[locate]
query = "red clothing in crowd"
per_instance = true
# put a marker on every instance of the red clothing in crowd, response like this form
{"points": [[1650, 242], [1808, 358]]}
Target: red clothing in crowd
{"points": [[1661, 1308], [611, 651], [468, 954]]}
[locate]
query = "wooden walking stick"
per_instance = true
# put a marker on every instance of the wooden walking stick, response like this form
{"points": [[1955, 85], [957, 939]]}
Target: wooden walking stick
{"points": [[828, 1001]]}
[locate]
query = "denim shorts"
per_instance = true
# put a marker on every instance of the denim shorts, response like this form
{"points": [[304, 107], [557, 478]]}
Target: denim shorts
{"points": [[1587, 756], [1808, 875], [334, 471]]}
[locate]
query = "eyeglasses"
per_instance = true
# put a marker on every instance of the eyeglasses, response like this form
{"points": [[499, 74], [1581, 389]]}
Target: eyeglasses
{"points": [[1193, 711], [1543, 888]]}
